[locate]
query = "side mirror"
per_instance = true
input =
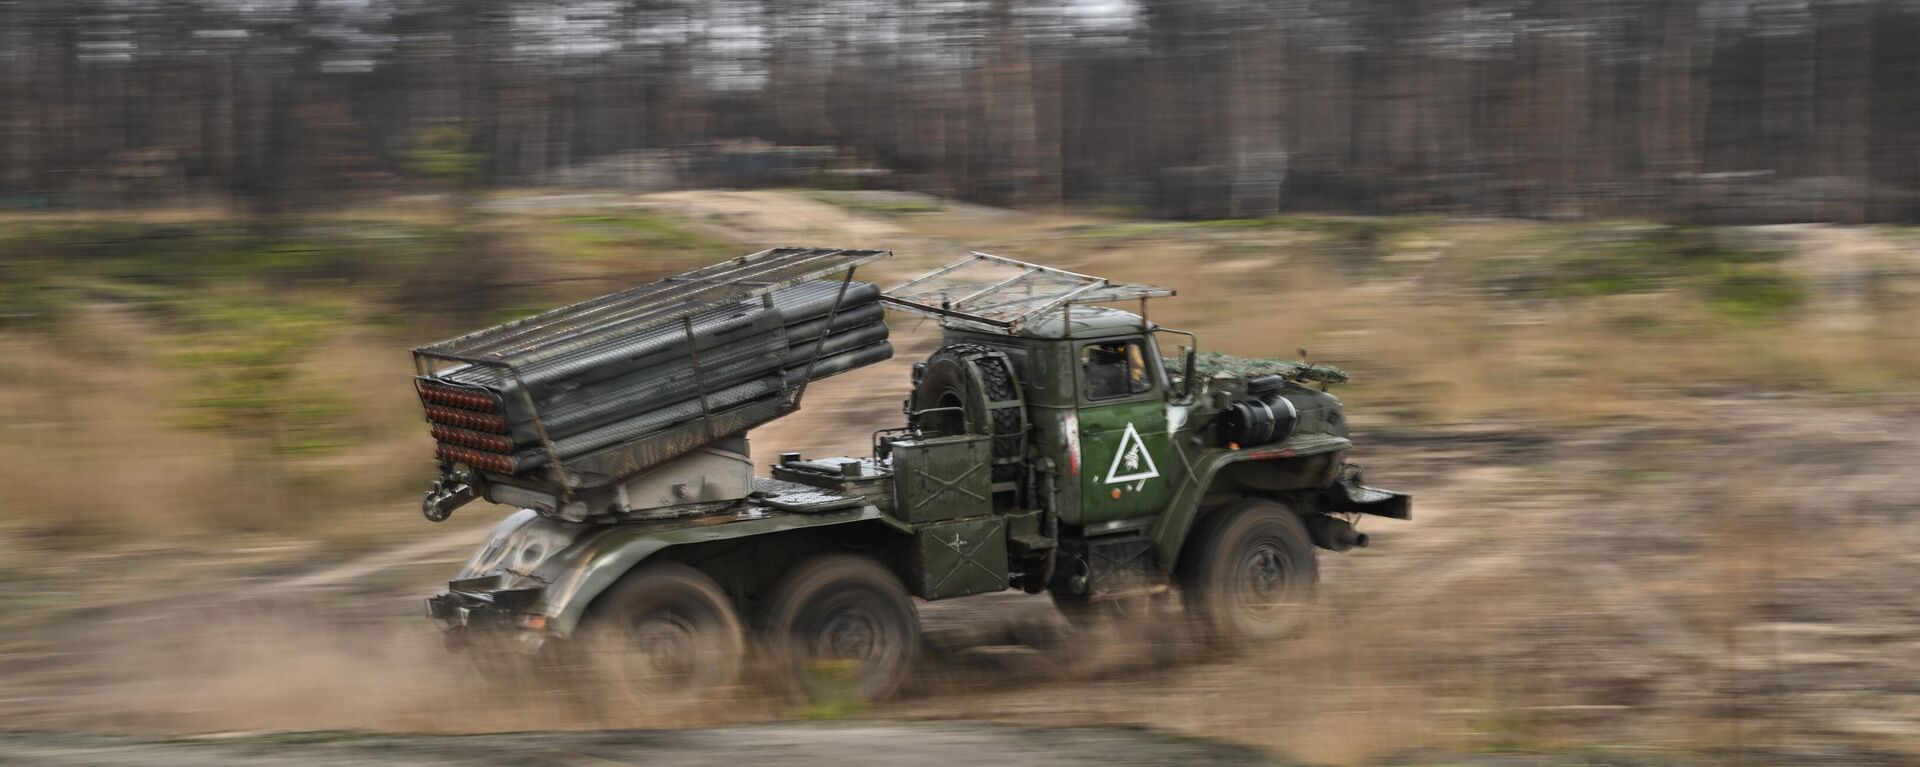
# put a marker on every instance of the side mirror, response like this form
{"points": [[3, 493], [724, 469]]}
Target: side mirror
{"points": [[1189, 374]]}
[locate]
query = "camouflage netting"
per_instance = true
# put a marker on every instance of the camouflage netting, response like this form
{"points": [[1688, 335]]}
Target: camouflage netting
{"points": [[1211, 364]]}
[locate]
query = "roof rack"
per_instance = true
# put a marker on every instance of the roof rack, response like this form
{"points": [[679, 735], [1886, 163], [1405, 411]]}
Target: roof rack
{"points": [[635, 309], [1003, 293]]}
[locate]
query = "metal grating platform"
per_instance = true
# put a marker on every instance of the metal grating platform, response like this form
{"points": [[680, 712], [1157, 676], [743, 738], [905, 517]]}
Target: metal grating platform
{"points": [[797, 497], [1001, 293]]}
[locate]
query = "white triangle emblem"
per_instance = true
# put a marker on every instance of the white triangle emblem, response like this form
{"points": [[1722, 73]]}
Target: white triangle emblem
{"points": [[1132, 458]]}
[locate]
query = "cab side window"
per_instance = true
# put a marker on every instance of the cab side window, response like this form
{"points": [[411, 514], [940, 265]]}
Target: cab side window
{"points": [[1114, 369]]}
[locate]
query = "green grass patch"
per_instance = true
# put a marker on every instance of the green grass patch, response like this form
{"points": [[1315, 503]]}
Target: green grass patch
{"points": [[1754, 293], [242, 357], [832, 182], [211, 253], [1356, 241], [625, 237], [29, 303], [1129, 229], [833, 684], [1735, 278], [880, 204], [164, 254]]}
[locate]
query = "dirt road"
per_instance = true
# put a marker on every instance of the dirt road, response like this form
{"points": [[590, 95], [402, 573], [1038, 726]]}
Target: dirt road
{"points": [[1722, 578], [815, 745], [1579, 586]]}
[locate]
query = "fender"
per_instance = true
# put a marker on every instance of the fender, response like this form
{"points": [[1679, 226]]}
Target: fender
{"points": [[1170, 529], [562, 566]]}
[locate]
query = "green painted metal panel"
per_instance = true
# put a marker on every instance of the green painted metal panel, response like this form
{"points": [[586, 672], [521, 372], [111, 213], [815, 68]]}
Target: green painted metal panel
{"points": [[1056, 440], [583, 570], [1199, 465], [942, 478], [1126, 460], [960, 557], [1124, 456]]}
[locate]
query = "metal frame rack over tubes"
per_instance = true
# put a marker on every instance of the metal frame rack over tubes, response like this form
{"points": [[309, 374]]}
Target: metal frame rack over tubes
{"points": [[637, 310]]}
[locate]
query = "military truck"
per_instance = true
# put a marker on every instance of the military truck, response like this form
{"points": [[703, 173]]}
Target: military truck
{"points": [[1047, 446]]}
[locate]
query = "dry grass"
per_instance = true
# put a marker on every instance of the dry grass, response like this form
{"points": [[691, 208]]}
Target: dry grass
{"points": [[1433, 334], [88, 452], [1405, 305], [1632, 585], [97, 449]]}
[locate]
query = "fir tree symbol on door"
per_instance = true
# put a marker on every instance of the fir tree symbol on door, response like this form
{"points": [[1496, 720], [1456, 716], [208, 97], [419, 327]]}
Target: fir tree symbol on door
{"points": [[1133, 459]]}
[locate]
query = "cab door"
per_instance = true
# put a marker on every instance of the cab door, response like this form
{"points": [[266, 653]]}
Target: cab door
{"points": [[1127, 467]]}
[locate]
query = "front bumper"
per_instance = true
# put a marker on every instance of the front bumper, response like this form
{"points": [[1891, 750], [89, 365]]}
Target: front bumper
{"points": [[1348, 494], [482, 609]]}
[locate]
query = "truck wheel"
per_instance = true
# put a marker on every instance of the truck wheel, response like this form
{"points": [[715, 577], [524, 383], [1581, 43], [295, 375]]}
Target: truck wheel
{"points": [[841, 627], [1250, 575], [665, 634]]}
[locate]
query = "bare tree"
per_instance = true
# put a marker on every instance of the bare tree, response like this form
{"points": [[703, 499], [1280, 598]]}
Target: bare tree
{"points": [[1186, 107]]}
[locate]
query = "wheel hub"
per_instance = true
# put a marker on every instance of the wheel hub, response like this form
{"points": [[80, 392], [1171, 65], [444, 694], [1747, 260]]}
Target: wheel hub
{"points": [[1264, 578], [668, 648], [848, 635]]}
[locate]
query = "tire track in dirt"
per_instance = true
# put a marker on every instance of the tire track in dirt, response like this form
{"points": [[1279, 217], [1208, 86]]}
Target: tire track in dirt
{"points": [[1576, 585]]}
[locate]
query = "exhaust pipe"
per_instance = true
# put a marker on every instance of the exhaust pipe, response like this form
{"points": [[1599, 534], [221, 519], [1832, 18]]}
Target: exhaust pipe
{"points": [[1334, 533]]}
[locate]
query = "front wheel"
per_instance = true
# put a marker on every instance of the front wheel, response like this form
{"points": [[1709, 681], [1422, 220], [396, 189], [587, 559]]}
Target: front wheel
{"points": [[839, 627], [1251, 575]]}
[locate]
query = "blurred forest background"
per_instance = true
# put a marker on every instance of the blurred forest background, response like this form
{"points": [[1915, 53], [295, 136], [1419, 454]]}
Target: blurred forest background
{"points": [[1730, 111], [1629, 289]]}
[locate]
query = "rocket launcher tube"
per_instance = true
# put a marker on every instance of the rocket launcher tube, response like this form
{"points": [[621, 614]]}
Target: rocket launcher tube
{"points": [[617, 350], [575, 411], [640, 426]]}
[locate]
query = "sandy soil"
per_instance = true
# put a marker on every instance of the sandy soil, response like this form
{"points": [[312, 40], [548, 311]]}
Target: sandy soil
{"points": [[815, 745], [1728, 584], [1723, 581]]}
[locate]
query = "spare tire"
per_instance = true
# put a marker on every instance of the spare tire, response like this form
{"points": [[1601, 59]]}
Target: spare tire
{"points": [[971, 389]]}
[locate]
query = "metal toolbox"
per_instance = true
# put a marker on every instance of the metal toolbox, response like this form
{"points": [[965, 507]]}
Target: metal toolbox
{"points": [[941, 478], [960, 557]]}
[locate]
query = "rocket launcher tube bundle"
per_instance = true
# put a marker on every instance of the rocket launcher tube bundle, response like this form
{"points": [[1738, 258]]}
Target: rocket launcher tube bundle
{"points": [[564, 412], [624, 381], [681, 412], [609, 352], [625, 397]]}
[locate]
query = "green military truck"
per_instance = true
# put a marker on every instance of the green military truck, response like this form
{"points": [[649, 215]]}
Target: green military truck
{"points": [[1051, 444]]}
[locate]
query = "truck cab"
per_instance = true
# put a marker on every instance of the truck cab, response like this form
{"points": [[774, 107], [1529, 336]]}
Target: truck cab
{"points": [[1134, 452], [1102, 406]]}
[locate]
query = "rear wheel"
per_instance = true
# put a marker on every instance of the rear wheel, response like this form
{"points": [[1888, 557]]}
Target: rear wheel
{"points": [[666, 634], [839, 627], [1251, 574]]}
